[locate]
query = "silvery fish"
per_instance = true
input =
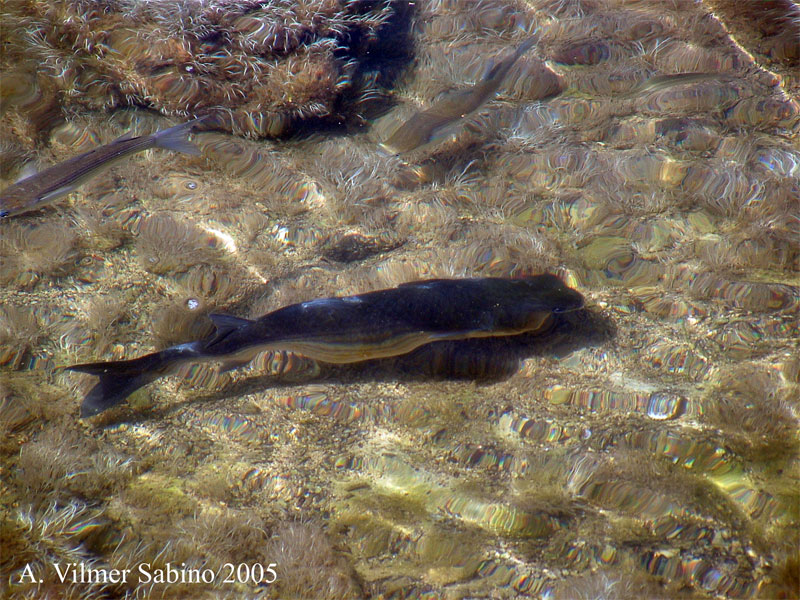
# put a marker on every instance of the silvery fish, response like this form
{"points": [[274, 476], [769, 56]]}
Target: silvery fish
{"points": [[660, 82], [46, 186], [351, 329], [430, 125]]}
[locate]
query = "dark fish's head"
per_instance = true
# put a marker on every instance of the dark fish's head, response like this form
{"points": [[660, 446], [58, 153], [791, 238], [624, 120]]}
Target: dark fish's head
{"points": [[553, 294]]}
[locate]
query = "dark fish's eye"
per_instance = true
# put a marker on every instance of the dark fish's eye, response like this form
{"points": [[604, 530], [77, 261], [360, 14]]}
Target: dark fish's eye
{"points": [[190, 185]]}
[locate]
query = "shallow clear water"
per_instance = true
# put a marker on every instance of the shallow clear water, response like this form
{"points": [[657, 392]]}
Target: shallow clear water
{"points": [[648, 447]]}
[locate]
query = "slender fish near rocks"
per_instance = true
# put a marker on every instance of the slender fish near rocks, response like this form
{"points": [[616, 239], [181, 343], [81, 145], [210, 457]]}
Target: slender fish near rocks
{"points": [[660, 82], [430, 125], [351, 329], [59, 180]]}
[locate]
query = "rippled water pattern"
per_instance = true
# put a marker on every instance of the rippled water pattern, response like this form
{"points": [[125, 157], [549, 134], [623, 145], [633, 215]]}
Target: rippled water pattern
{"points": [[647, 447]]}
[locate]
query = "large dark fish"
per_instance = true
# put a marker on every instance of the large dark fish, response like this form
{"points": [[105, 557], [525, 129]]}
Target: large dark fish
{"points": [[431, 124], [353, 328], [46, 186]]}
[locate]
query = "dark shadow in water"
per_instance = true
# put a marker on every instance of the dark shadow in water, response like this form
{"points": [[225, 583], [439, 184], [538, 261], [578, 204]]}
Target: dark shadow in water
{"points": [[486, 360], [379, 62], [499, 358], [482, 360]]}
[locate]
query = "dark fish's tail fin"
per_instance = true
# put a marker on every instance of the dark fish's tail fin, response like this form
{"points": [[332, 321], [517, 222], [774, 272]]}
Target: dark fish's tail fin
{"points": [[177, 138], [119, 379]]}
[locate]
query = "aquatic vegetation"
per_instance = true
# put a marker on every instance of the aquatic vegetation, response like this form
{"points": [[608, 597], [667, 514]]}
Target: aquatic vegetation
{"points": [[657, 405], [166, 245], [19, 89], [57, 533], [59, 464], [181, 320], [683, 57], [20, 330], [13, 153], [702, 97], [106, 226], [765, 32], [753, 296], [755, 413], [446, 19], [278, 184], [229, 534], [181, 188], [608, 583], [30, 252], [308, 564], [582, 52], [773, 112], [212, 286], [308, 236], [679, 360], [258, 69], [93, 327], [15, 416]]}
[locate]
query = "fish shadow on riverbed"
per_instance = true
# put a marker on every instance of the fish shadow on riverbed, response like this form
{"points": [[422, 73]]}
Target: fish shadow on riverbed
{"points": [[481, 360], [484, 360]]}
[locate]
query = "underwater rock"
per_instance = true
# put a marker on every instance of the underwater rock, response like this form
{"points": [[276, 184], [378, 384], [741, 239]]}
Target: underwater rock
{"points": [[19, 333], [591, 52], [256, 68], [166, 245], [29, 252]]}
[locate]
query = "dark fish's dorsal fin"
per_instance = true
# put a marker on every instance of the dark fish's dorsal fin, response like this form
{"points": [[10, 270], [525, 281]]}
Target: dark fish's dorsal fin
{"points": [[222, 322], [225, 325]]}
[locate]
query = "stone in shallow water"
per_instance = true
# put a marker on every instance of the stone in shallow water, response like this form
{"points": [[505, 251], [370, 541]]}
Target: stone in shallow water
{"points": [[256, 70], [689, 98], [590, 52], [167, 245], [764, 113]]}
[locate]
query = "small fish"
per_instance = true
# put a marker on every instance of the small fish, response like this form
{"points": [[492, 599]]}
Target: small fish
{"points": [[46, 186], [430, 125], [351, 329], [660, 82]]}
